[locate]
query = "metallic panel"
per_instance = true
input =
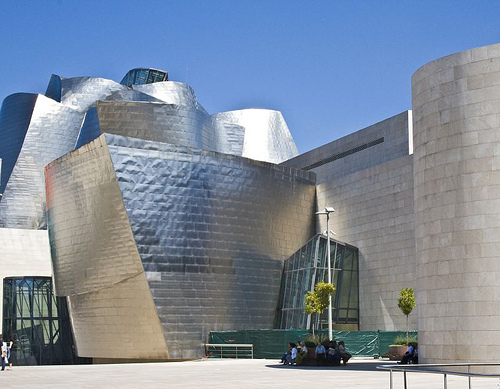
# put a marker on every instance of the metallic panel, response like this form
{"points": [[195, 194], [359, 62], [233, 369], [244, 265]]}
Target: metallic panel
{"points": [[15, 116], [95, 259], [171, 92], [267, 137], [90, 128], [179, 125], [52, 132], [211, 230], [81, 93], [230, 137], [131, 95], [118, 322], [91, 195], [54, 88]]}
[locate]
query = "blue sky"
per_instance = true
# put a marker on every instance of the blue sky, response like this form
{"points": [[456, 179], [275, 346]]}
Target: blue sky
{"points": [[331, 67]]}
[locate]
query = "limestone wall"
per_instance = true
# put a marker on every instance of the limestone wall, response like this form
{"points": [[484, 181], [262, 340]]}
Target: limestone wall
{"points": [[374, 212], [456, 108]]}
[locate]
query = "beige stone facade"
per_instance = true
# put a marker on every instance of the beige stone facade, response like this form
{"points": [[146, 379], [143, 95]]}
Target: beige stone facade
{"points": [[456, 105], [430, 220], [368, 178]]}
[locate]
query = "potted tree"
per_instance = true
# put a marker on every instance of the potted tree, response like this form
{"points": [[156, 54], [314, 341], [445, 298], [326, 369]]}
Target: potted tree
{"points": [[317, 300], [406, 303]]}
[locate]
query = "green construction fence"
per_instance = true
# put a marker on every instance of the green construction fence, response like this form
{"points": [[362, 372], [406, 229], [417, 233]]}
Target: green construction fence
{"points": [[271, 344]]}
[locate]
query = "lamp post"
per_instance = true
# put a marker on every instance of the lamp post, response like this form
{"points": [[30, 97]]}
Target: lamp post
{"points": [[327, 211]]}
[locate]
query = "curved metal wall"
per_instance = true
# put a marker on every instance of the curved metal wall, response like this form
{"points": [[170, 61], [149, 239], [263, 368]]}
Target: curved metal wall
{"points": [[171, 92], [211, 231], [95, 259], [456, 108], [170, 123], [258, 134], [52, 132], [267, 137], [81, 93], [15, 116]]}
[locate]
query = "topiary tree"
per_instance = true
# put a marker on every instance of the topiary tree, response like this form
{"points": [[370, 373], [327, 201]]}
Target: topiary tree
{"points": [[317, 300], [406, 302]]}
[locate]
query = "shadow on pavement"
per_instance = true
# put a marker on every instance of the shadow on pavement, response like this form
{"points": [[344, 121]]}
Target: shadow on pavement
{"points": [[356, 366]]}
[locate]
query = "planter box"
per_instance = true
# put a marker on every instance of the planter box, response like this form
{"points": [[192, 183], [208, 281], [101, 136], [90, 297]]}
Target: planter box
{"points": [[396, 353]]}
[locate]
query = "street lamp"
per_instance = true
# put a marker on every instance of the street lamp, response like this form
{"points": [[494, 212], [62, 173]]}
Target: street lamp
{"points": [[327, 211]]}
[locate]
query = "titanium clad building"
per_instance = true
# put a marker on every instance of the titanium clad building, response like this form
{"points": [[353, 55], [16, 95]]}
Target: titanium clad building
{"points": [[166, 222], [160, 230], [170, 241]]}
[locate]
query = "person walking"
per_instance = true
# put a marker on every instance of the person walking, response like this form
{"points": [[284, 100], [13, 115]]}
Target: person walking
{"points": [[3, 350], [9, 359]]}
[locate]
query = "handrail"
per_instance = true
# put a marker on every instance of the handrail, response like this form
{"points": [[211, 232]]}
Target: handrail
{"points": [[247, 349], [429, 368]]}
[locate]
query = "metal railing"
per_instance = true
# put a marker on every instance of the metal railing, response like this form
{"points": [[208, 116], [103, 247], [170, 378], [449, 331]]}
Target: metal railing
{"points": [[435, 368], [225, 350]]}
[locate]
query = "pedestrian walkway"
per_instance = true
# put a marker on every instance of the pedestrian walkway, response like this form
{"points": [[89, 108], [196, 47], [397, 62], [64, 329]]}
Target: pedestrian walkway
{"points": [[223, 374]]}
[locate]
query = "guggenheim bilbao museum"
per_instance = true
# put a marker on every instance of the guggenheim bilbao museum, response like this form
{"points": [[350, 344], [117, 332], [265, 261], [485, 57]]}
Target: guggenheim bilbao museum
{"points": [[133, 222]]}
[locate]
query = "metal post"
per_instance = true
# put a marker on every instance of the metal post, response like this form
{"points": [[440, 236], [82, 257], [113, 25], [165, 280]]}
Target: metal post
{"points": [[445, 384], [468, 371], [404, 376], [327, 212], [330, 320], [391, 384]]}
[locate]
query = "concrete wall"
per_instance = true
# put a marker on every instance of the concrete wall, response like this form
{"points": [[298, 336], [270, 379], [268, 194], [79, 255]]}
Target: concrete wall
{"points": [[23, 253], [456, 105]]}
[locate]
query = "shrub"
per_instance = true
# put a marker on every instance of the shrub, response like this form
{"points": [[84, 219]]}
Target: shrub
{"points": [[402, 341]]}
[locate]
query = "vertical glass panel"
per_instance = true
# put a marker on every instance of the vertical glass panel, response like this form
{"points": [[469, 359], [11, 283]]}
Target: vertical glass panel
{"points": [[302, 270], [32, 320]]}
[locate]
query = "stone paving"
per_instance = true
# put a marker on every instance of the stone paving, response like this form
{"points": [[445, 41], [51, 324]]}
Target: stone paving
{"points": [[221, 374]]}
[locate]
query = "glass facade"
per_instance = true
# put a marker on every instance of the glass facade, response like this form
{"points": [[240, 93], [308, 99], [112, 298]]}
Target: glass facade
{"points": [[38, 322], [309, 266], [141, 76]]}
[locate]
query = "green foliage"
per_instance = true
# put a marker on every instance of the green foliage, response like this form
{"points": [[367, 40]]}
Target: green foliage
{"points": [[402, 341], [313, 339], [318, 299], [406, 300]]}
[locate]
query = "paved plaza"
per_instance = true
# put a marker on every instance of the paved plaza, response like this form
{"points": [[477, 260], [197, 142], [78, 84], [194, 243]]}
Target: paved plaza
{"points": [[221, 374]]}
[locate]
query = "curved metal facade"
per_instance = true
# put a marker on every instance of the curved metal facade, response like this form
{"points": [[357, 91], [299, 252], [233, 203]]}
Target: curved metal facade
{"points": [[157, 225], [173, 115], [15, 116], [170, 123], [211, 231], [35, 129], [51, 132], [267, 137], [171, 92], [81, 93]]}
